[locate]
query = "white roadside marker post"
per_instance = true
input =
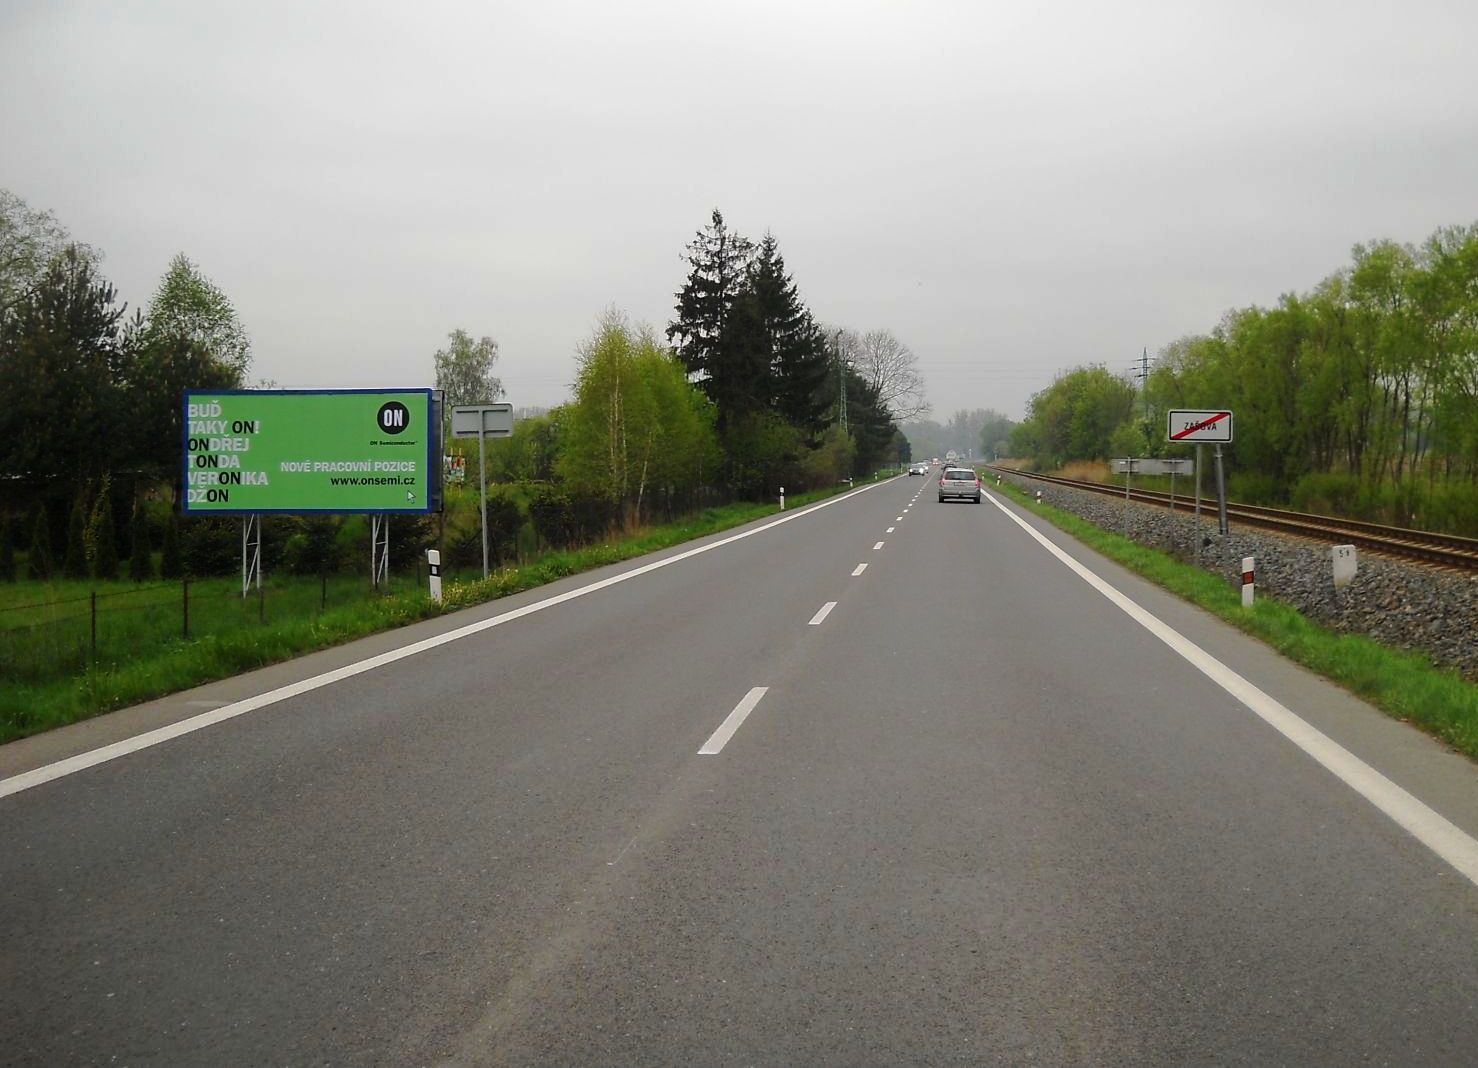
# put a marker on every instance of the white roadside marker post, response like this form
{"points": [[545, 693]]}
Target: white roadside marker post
{"points": [[782, 498], [433, 568], [1249, 569], [1039, 496]]}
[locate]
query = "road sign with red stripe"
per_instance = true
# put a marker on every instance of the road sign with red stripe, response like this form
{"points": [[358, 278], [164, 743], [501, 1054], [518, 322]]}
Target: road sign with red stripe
{"points": [[1198, 426]]}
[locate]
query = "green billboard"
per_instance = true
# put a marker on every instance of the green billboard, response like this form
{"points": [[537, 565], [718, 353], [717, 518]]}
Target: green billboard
{"points": [[255, 451]]}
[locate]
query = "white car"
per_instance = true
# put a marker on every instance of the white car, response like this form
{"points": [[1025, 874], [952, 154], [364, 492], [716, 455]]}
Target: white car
{"points": [[919, 469]]}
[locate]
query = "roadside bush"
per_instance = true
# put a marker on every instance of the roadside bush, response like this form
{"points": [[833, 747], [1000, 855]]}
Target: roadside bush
{"points": [[104, 538], [171, 556], [38, 556], [410, 537], [210, 545], [550, 513], [1250, 487], [74, 563], [140, 562], [1326, 493], [830, 462]]}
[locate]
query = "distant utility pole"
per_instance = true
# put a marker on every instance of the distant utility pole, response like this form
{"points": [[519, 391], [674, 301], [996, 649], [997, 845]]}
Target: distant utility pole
{"points": [[1144, 380], [841, 385]]}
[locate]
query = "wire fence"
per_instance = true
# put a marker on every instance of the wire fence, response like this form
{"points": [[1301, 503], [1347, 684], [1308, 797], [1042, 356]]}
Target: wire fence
{"points": [[115, 624]]}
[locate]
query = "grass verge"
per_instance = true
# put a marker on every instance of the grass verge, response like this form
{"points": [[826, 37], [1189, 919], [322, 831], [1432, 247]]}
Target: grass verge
{"points": [[1403, 684], [177, 664]]}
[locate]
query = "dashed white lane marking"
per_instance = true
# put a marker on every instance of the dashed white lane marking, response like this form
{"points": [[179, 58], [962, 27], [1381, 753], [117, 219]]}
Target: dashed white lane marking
{"points": [[898, 519], [878, 546], [859, 569], [71, 765], [890, 530], [732, 722], [1422, 822], [821, 615]]}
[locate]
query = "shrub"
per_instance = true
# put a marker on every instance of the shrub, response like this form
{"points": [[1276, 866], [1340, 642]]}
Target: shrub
{"points": [[211, 545], [1326, 493], [171, 557], [550, 512], [74, 563], [38, 556], [140, 562], [105, 540]]}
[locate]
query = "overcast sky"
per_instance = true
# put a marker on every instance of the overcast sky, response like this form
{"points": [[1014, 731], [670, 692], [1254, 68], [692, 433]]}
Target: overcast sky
{"points": [[1013, 189]]}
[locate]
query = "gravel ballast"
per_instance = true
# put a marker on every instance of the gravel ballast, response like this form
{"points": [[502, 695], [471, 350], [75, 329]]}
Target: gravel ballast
{"points": [[1406, 605]]}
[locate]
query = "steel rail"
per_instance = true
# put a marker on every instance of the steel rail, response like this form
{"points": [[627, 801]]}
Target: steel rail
{"points": [[1441, 550]]}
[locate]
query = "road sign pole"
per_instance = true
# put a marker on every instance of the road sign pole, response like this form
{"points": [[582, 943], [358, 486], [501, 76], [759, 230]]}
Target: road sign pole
{"points": [[1221, 493], [482, 493], [482, 421], [1198, 504], [1128, 478]]}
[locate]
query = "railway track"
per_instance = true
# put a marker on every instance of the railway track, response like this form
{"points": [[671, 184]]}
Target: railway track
{"points": [[1439, 550]]}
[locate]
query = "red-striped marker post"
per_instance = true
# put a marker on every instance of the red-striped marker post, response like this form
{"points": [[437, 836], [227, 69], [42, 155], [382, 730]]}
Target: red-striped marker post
{"points": [[1248, 570]]}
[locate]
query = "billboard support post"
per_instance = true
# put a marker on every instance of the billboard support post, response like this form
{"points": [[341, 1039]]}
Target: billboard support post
{"points": [[251, 553], [379, 550]]}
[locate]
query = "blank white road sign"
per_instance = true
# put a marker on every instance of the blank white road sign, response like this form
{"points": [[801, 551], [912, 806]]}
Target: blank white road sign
{"points": [[1197, 426], [490, 420]]}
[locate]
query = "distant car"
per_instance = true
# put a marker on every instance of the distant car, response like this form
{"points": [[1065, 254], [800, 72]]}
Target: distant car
{"points": [[959, 482], [919, 469]]}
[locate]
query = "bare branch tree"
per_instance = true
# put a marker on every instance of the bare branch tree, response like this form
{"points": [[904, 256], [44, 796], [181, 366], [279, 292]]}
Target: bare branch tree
{"points": [[890, 367]]}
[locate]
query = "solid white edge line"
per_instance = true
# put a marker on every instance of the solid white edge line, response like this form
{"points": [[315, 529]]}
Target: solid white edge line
{"points": [[859, 569], [71, 765], [823, 613], [732, 722], [1425, 824]]}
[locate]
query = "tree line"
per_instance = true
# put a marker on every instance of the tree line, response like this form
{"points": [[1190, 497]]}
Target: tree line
{"points": [[90, 397], [743, 393], [1359, 396]]}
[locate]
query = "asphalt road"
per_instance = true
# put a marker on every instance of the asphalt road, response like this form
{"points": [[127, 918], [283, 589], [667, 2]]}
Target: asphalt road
{"points": [[977, 815]]}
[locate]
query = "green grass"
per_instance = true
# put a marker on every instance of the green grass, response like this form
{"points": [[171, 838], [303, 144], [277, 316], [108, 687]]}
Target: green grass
{"points": [[51, 677], [1404, 684]]}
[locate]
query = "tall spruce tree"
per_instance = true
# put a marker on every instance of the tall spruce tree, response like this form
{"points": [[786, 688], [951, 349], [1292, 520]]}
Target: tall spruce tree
{"points": [[869, 423], [60, 362], [793, 347], [718, 259]]}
